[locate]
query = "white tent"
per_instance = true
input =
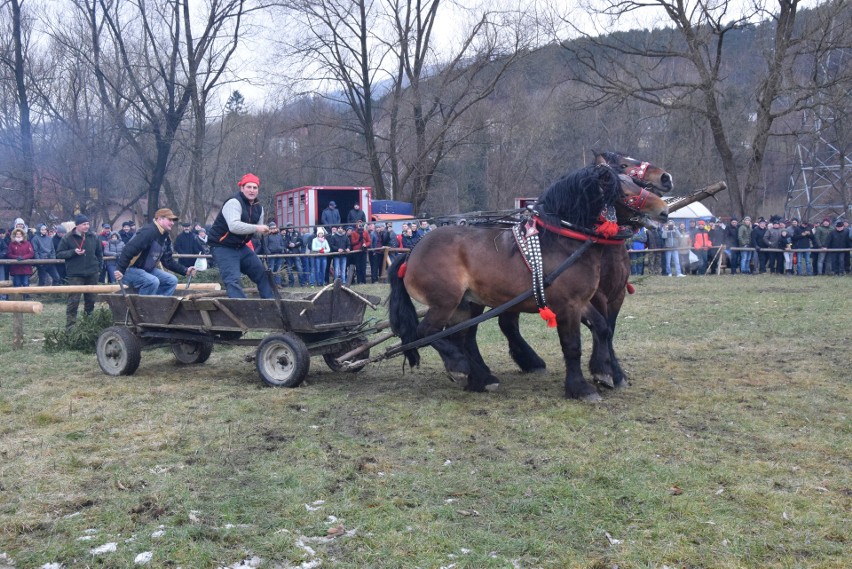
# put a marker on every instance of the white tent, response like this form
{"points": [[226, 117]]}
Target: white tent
{"points": [[694, 210]]}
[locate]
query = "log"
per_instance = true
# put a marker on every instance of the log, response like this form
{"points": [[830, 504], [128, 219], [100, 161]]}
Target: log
{"points": [[97, 289], [21, 306]]}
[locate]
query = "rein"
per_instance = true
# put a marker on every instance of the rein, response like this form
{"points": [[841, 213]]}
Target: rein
{"points": [[496, 311]]}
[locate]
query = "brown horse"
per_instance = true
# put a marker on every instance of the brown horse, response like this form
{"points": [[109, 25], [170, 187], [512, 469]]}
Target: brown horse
{"points": [[457, 270], [601, 314]]}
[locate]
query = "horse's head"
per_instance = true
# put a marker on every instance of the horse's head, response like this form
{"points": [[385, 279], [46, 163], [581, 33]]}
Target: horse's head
{"points": [[644, 174], [639, 206]]}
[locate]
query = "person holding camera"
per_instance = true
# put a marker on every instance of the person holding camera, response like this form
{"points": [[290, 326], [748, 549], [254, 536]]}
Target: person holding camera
{"points": [[671, 240]]}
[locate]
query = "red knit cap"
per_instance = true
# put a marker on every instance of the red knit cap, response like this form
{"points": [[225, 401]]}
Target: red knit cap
{"points": [[249, 178]]}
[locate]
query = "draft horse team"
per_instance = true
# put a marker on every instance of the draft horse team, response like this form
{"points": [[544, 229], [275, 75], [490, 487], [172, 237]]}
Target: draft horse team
{"points": [[576, 229]]}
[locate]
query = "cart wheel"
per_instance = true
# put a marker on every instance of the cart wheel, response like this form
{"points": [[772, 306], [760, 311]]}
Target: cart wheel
{"points": [[119, 351], [192, 352], [334, 366], [283, 360]]}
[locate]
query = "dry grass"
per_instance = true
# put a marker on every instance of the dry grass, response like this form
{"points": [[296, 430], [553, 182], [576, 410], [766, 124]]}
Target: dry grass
{"points": [[730, 449]]}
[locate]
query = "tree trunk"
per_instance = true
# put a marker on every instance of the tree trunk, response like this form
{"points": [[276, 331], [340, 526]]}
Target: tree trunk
{"points": [[26, 168]]}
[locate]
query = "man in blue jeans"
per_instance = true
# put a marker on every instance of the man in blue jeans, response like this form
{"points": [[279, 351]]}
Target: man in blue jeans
{"points": [[230, 237], [145, 252]]}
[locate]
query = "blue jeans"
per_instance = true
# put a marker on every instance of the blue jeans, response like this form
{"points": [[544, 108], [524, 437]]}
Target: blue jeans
{"points": [[803, 266], [156, 282], [275, 264], [340, 267], [308, 270], [295, 266], [20, 280], [233, 262], [672, 255], [745, 261], [320, 269]]}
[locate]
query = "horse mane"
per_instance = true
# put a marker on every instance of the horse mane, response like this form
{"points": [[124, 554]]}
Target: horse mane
{"points": [[580, 196], [612, 157]]}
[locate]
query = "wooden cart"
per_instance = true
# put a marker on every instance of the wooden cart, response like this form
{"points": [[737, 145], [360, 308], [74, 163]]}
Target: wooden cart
{"points": [[328, 322]]}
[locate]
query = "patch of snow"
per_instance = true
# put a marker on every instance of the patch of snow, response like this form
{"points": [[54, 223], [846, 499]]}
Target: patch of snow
{"points": [[74, 515], [85, 538], [255, 561], [105, 548], [143, 558], [51, 566], [158, 533]]}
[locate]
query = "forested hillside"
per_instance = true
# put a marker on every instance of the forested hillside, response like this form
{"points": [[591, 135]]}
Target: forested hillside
{"points": [[117, 110]]}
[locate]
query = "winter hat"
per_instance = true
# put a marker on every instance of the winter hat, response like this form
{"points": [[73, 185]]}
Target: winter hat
{"points": [[249, 178], [80, 219], [838, 223], [19, 221], [332, 204]]}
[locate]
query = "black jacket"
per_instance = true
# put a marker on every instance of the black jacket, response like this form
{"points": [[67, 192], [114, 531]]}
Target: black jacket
{"points": [[220, 234], [149, 247]]}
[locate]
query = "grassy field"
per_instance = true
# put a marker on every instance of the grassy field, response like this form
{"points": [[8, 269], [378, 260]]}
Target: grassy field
{"points": [[731, 449]]}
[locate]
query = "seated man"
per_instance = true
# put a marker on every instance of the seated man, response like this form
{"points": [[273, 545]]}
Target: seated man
{"points": [[141, 256]]}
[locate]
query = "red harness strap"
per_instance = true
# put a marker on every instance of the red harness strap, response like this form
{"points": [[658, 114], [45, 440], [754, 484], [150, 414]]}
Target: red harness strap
{"points": [[637, 202], [571, 234], [639, 171]]}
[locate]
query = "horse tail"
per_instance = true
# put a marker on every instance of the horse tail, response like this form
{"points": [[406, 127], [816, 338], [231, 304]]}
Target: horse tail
{"points": [[401, 311]]}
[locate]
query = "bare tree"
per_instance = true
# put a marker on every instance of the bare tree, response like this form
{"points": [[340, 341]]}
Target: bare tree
{"points": [[14, 60], [405, 98], [150, 69], [685, 69]]}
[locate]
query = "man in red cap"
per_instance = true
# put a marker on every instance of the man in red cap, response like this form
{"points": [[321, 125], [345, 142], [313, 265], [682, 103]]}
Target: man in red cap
{"points": [[230, 235]]}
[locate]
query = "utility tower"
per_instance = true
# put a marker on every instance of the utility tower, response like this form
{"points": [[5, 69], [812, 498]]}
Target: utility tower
{"points": [[821, 181]]}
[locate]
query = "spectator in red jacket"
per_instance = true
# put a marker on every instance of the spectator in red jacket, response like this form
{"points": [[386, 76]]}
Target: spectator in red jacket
{"points": [[20, 249]]}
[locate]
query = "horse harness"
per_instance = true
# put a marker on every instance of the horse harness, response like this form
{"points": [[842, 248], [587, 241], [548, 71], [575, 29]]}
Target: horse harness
{"points": [[526, 234]]}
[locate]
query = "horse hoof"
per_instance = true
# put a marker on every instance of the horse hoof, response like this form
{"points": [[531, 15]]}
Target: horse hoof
{"points": [[456, 376], [591, 397], [492, 387], [536, 370], [604, 379]]}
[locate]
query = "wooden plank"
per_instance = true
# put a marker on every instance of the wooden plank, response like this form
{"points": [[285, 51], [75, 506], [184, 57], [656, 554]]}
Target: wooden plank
{"points": [[21, 306], [97, 289]]}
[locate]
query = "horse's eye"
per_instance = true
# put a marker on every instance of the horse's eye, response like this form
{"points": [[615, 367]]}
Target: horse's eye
{"points": [[625, 166]]}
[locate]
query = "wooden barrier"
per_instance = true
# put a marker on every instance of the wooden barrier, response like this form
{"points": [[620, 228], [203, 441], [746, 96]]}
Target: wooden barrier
{"points": [[18, 306], [97, 289], [18, 309]]}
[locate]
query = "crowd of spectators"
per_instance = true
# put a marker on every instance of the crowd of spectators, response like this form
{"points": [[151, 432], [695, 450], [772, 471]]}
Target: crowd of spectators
{"points": [[315, 256], [303, 257], [775, 246]]}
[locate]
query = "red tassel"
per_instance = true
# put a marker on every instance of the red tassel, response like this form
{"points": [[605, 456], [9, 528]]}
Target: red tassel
{"points": [[401, 271], [548, 315], [607, 229], [630, 288]]}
